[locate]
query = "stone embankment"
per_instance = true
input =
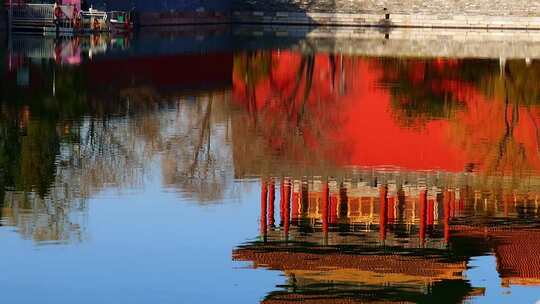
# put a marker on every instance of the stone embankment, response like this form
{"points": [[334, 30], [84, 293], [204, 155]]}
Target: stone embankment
{"points": [[496, 14]]}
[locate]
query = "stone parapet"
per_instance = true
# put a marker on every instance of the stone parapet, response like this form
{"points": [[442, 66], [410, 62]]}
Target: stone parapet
{"points": [[408, 7], [387, 19]]}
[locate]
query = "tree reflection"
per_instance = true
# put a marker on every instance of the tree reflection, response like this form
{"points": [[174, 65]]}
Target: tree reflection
{"points": [[288, 103], [474, 110], [418, 89], [454, 90], [61, 144], [291, 114], [196, 159]]}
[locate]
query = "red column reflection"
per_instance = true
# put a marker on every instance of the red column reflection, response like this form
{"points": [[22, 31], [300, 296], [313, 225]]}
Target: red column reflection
{"points": [[264, 193], [391, 208], [324, 207], [271, 199], [282, 202], [423, 211], [383, 200], [430, 212], [296, 205], [287, 207], [446, 204], [333, 208]]}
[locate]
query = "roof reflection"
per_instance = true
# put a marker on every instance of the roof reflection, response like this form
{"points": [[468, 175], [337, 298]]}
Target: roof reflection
{"points": [[358, 237]]}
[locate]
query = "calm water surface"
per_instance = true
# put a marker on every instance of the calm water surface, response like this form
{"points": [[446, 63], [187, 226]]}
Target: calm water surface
{"points": [[201, 166]]}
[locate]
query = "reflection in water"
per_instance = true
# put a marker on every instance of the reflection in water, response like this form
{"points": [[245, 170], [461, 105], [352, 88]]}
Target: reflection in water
{"points": [[424, 163], [362, 239], [63, 141], [52, 167], [382, 179], [453, 116]]}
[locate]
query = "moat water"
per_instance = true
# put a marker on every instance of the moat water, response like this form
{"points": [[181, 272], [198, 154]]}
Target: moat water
{"points": [[195, 166]]}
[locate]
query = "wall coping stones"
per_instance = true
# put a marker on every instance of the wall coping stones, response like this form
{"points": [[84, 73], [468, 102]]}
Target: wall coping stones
{"points": [[394, 20]]}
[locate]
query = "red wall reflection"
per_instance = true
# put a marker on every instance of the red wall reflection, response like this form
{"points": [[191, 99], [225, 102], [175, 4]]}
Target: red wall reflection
{"points": [[346, 111]]}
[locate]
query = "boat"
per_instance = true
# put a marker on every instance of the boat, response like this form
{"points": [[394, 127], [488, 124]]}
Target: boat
{"points": [[92, 20], [120, 21]]}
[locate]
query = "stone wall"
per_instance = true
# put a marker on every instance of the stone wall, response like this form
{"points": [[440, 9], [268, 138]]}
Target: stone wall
{"points": [[177, 17], [418, 13], [171, 12], [436, 7], [521, 14], [163, 5]]}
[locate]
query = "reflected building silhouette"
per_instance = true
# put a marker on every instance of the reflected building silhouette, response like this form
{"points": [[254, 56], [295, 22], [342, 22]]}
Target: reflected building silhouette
{"points": [[358, 239], [64, 51], [393, 173]]}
